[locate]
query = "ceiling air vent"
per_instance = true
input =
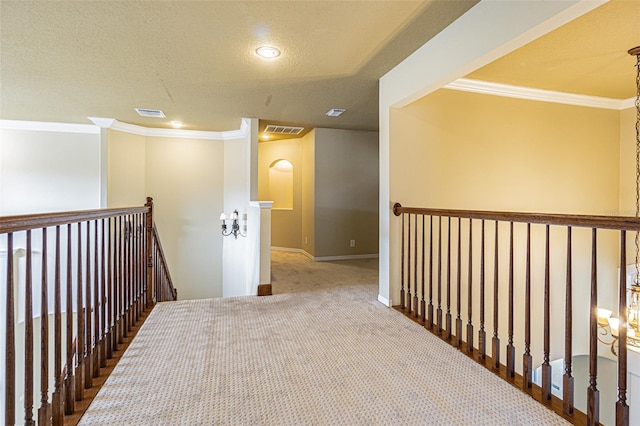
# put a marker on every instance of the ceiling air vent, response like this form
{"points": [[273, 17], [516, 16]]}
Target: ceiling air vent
{"points": [[145, 112], [283, 130]]}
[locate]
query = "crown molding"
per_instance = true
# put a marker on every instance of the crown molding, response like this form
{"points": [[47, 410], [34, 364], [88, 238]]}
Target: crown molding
{"points": [[519, 92], [40, 126], [113, 124], [242, 132], [629, 103]]}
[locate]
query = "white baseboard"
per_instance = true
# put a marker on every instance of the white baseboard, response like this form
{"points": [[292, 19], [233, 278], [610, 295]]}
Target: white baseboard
{"points": [[384, 301], [326, 258]]}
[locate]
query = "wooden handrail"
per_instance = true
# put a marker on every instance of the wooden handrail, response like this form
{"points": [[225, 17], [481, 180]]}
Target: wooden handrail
{"points": [[112, 279], [46, 220], [413, 252], [584, 221]]}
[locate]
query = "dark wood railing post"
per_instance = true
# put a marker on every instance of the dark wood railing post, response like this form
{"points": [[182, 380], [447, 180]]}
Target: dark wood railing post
{"points": [[527, 359], [430, 309], [459, 288], [28, 338], [482, 334], [593, 394], [546, 366], [511, 350], [415, 267], [622, 408], [10, 350], [495, 341], [567, 378], [402, 267], [423, 303], [470, 291], [448, 319], [439, 310], [149, 254], [44, 410]]}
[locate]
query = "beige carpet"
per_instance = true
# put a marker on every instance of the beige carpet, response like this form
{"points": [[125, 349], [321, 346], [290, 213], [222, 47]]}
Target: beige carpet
{"points": [[323, 353]]}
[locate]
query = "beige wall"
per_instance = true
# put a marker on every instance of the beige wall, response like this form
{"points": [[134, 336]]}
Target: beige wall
{"points": [[126, 169], [469, 151], [346, 192], [308, 219], [286, 224], [185, 179]]}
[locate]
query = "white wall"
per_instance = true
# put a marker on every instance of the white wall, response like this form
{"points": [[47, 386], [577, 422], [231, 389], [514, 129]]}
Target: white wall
{"points": [[48, 170]]}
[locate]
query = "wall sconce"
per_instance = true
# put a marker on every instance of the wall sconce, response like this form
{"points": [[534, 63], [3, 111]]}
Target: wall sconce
{"points": [[609, 325], [235, 226]]}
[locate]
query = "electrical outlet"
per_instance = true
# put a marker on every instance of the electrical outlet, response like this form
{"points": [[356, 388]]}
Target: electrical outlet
{"points": [[352, 243]]}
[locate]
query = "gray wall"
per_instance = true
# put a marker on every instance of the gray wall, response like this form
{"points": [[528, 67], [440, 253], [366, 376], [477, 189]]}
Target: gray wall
{"points": [[346, 192]]}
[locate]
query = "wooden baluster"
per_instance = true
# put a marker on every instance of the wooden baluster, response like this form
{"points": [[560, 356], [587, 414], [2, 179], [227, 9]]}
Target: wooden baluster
{"points": [[448, 315], [622, 409], [482, 335], [423, 303], [134, 270], [415, 267], [109, 303], [470, 291], [28, 339], [69, 379], [408, 295], [123, 281], [117, 284], [95, 362], [88, 352], [527, 360], [511, 350], [439, 310], [150, 263], [103, 292], [546, 366], [402, 266], [430, 309], [10, 342], [129, 293], [44, 413], [495, 349], [79, 374], [459, 286], [593, 394], [567, 378], [56, 399]]}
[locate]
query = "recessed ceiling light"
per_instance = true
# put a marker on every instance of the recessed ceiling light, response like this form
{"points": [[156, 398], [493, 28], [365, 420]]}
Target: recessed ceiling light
{"points": [[146, 112], [334, 112], [176, 124], [266, 136], [267, 52]]}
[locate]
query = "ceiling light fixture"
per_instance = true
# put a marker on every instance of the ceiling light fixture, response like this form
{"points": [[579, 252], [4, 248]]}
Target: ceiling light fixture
{"points": [[176, 124], [335, 112], [268, 52]]}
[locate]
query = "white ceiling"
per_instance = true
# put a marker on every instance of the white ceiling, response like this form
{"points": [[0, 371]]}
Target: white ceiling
{"points": [[64, 61]]}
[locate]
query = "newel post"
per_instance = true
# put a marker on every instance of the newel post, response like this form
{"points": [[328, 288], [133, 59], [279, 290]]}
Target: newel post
{"points": [[149, 225]]}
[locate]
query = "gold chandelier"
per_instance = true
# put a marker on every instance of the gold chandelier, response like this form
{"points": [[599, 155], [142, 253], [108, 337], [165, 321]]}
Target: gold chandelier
{"points": [[607, 323]]}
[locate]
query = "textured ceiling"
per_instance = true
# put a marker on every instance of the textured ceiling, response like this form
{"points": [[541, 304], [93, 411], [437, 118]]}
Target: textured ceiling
{"points": [[64, 61], [587, 56]]}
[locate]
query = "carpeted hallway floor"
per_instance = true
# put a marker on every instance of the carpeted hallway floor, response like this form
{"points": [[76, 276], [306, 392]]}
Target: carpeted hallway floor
{"points": [[321, 351]]}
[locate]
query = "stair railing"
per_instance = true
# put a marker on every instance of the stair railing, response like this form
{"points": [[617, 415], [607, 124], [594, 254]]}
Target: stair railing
{"points": [[447, 289], [94, 274]]}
